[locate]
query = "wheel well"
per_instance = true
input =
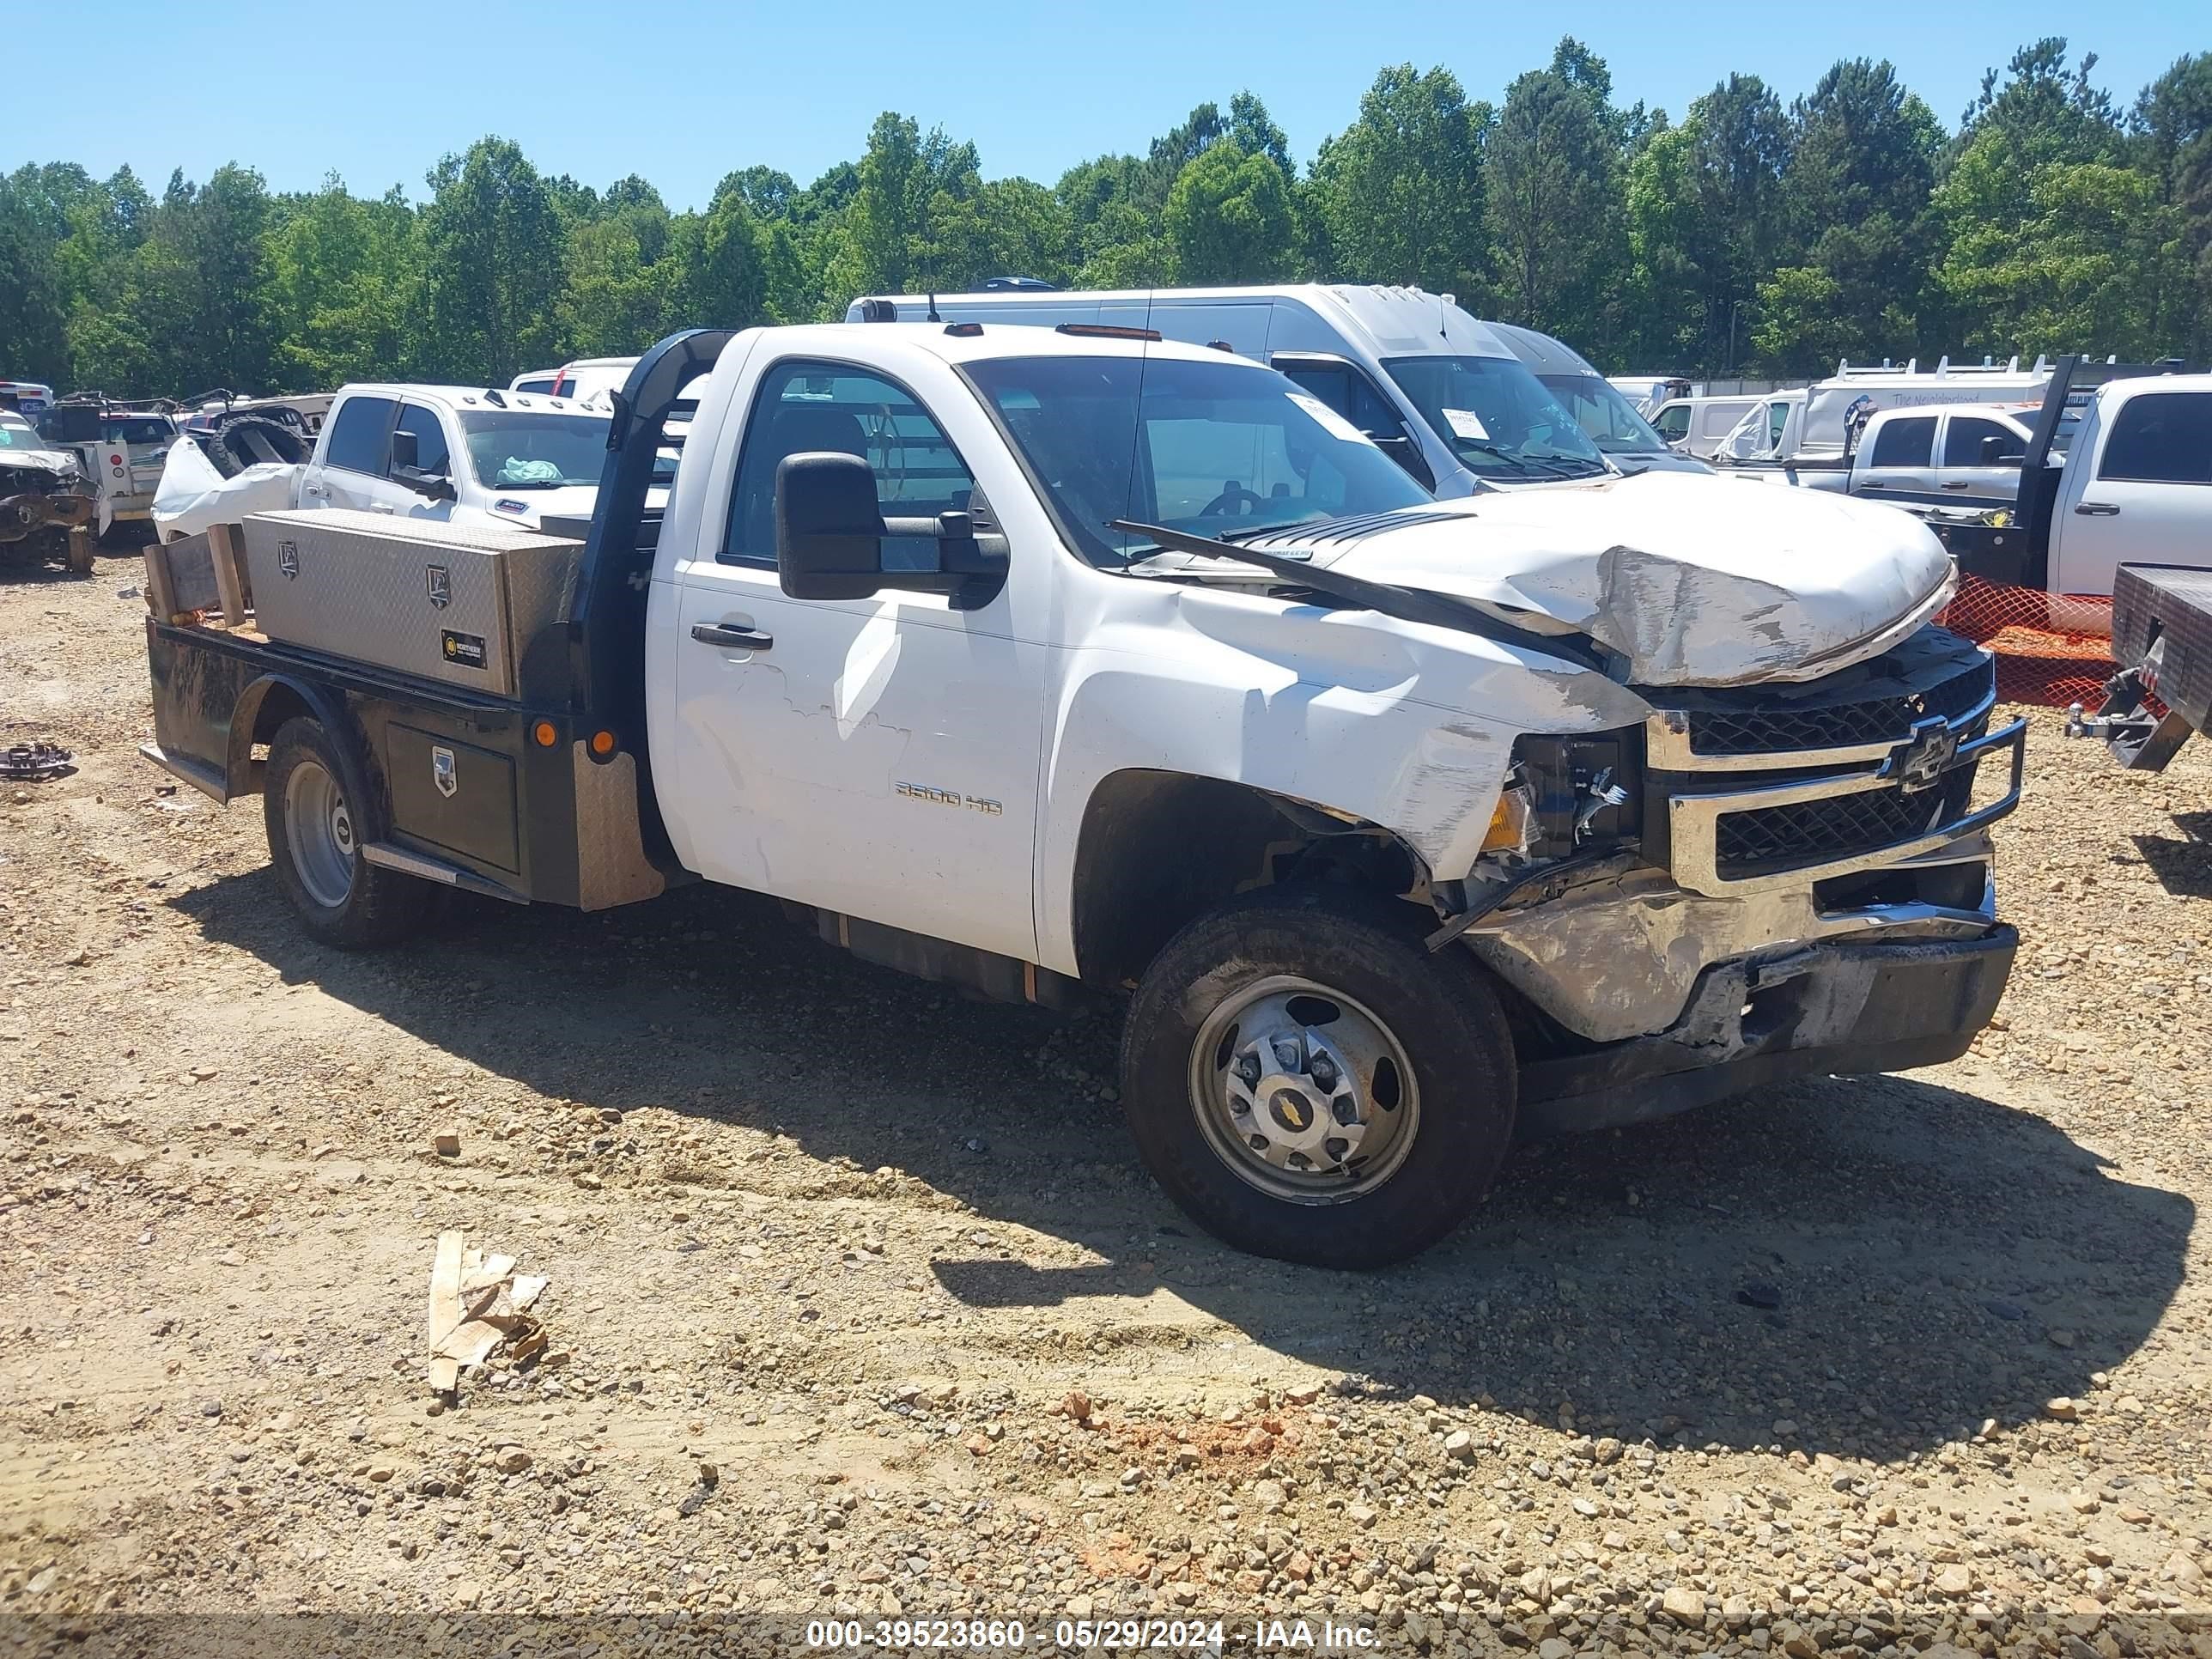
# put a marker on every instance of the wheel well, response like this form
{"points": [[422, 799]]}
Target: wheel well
{"points": [[272, 703], [1158, 849]]}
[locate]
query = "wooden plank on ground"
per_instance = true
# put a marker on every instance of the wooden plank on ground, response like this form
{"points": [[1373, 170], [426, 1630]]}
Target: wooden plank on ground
{"points": [[445, 1289]]}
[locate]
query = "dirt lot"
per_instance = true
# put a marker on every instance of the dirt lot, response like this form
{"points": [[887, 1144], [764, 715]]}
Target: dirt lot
{"points": [[860, 1304]]}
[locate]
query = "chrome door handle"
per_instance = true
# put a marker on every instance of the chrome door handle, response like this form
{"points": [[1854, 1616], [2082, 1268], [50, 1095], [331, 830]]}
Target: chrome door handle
{"points": [[1953, 484], [2098, 509], [732, 636]]}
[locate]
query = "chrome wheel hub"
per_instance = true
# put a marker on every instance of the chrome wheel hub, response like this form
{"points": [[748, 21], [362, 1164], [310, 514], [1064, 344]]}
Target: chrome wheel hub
{"points": [[1304, 1091], [319, 828]]}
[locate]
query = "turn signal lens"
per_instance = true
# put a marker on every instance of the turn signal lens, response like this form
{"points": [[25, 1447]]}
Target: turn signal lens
{"points": [[603, 744], [544, 735], [1512, 822]]}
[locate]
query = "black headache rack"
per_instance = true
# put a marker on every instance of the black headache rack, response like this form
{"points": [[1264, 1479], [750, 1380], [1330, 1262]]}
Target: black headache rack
{"points": [[2010, 546], [543, 796]]}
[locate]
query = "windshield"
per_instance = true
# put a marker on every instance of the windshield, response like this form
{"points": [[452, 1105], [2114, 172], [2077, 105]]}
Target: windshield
{"points": [[1216, 449], [16, 433], [1498, 417], [136, 430], [512, 451], [1609, 419]]}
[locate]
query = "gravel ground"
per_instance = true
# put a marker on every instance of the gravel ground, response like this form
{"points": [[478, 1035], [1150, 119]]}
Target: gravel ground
{"points": [[861, 1304]]}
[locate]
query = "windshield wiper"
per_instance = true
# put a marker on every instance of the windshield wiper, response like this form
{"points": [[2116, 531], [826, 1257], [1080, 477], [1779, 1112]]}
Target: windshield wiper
{"points": [[1386, 598]]}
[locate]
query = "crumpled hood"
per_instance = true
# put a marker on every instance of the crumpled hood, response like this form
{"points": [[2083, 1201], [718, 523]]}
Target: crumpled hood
{"points": [[58, 462], [1695, 580]]}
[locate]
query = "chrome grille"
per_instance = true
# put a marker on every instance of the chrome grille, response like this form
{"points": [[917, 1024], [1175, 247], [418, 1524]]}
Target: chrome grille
{"points": [[1774, 724]]}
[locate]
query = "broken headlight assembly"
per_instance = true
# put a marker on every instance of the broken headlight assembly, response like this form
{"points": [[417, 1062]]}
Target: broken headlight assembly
{"points": [[1574, 795]]}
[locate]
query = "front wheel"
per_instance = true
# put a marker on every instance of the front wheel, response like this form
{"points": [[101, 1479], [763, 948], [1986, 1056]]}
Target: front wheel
{"points": [[315, 836], [1308, 1081]]}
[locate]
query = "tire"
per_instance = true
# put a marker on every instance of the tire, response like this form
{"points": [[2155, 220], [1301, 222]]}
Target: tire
{"points": [[314, 846], [1341, 967], [250, 440]]}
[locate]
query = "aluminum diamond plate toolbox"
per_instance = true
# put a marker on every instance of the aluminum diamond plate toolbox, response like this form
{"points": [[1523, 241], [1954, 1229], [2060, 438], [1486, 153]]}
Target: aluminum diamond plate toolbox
{"points": [[456, 603]]}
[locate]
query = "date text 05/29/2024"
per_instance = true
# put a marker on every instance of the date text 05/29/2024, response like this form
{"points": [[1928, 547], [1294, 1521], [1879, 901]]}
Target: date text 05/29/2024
{"points": [[1198, 1635]]}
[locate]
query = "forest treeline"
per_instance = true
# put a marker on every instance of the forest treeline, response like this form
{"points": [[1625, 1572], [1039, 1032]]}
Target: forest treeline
{"points": [[1751, 233]]}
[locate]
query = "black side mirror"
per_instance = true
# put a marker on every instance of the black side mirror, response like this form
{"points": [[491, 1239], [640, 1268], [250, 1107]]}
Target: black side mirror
{"points": [[829, 531], [406, 450], [1994, 454]]}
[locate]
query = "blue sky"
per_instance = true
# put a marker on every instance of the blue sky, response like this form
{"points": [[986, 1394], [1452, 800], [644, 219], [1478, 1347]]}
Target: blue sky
{"points": [[683, 94]]}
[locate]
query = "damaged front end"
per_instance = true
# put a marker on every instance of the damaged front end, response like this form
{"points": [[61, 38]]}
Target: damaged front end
{"points": [[46, 512], [1757, 884]]}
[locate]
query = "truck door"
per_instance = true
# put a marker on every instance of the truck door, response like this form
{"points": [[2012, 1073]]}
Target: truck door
{"points": [[2148, 497], [348, 470], [875, 757], [1899, 460], [1974, 471], [433, 455]]}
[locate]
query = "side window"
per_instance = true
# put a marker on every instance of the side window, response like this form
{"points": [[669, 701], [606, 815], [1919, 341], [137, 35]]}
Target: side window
{"points": [[2160, 437], [542, 385], [804, 406], [1963, 438], [430, 454], [357, 437], [1351, 395], [1777, 416], [1906, 443], [1672, 424]]}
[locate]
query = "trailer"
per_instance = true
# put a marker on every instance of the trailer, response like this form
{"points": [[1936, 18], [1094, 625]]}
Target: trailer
{"points": [[2162, 632]]}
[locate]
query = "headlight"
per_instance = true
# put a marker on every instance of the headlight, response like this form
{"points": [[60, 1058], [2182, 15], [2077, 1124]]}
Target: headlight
{"points": [[1587, 793]]}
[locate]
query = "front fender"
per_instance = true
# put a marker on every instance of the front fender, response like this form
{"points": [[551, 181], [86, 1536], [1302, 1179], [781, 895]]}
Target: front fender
{"points": [[1397, 724]]}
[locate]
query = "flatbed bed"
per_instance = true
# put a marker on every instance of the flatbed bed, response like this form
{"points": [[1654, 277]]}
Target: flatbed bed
{"points": [[2162, 638]]}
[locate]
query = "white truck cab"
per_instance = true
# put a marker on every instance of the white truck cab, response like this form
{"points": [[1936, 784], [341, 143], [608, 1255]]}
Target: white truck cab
{"points": [[1075, 665], [468, 453], [1808, 435], [1966, 454], [1442, 394]]}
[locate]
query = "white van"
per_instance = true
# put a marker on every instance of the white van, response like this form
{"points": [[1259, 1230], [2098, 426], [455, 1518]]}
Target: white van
{"points": [[1440, 393], [1699, 426], [1646, 392], [1611, 422]]}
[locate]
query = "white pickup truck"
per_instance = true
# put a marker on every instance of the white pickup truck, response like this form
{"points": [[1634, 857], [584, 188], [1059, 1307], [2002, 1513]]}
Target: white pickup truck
{"points": [[2135, 488], [1071, 664]]}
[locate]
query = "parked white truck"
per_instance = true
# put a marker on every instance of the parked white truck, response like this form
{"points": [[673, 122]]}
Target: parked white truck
{"points": [[1807, 436], [1067, 664], [460, 454], [2135, 488]]}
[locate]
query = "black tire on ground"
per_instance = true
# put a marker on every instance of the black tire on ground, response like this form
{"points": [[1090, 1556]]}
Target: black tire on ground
{"points": [[249, 440], [342, 898], [1438, 1007]]}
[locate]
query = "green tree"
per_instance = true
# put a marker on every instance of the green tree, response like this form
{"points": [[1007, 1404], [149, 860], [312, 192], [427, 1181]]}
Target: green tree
{"points": [[492, 263], [1229, 218], [34, 323], [344, 275], [1857, 239], [1552, 207], [1399, 191], [2173, 122]]}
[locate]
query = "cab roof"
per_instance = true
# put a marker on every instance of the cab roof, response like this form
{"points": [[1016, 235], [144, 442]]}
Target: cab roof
{"points": [[470, 397], [981, 342]]}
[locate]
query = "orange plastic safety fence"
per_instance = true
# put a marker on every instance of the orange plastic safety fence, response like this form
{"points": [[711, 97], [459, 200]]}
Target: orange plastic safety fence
{"points": [[2052, 649]]}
